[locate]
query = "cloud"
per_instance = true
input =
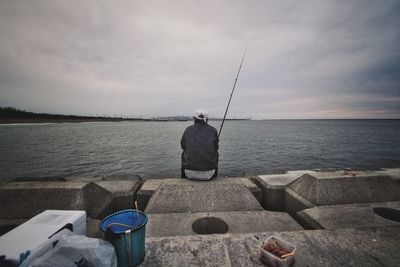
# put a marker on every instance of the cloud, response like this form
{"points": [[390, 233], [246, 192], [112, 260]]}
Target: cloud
{"points": [[306, 59]]}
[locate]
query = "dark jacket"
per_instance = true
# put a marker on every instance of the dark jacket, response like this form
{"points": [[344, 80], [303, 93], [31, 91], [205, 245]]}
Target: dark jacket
{"points": [[200, 147]]}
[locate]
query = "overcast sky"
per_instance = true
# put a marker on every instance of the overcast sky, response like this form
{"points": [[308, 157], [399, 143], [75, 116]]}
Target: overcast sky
{"points": [[305, 59]]}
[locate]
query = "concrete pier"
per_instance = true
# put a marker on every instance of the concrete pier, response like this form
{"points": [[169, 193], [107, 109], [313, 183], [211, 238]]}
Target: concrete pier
{"points": [[202, 197], [26, 199], [325, 189], [348, 215], [333, 218], [19, 201], [181, 224], [151, 186], [273, 188], [376, 246]]}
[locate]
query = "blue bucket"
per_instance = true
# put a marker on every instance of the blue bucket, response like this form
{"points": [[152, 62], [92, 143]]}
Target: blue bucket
{"points": [[123, 230]]}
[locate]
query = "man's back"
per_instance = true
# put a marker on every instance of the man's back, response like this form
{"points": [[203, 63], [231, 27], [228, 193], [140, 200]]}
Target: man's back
{"points": [[200, 147]]}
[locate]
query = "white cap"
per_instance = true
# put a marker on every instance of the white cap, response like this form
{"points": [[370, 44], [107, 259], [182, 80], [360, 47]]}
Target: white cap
{"points": [[201, 114]]}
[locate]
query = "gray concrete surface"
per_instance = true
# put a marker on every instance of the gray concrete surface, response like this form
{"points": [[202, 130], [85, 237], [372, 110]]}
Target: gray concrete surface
{"points": [[146, 191], [394, 173], [202, 197], [273, 189], [347, 216], [179, 224], [123, 192], [273, 185], [118, 188], [150, 186], [176, 203], [329, 189], [333, 190], [93, 228], [27, 199], [282, 180], [254, 189], [371, 246], [295, 203]]}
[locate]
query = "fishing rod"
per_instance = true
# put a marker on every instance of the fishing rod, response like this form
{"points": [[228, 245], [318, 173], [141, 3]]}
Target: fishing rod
{"points": [[233, 89]]}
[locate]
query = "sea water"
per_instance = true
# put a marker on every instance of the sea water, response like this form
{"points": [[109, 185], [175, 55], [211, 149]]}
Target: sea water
{"points": [[152, 149]]}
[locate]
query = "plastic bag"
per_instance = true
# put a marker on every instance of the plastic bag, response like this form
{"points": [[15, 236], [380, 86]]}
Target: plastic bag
{"points": [[78, 250]]}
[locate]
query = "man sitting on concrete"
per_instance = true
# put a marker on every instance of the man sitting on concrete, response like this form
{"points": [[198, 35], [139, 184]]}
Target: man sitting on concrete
{"points": [[200, 149]]}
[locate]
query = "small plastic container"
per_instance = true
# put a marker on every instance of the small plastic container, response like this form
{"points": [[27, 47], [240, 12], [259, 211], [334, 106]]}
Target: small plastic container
{"points": [[271, 259]]}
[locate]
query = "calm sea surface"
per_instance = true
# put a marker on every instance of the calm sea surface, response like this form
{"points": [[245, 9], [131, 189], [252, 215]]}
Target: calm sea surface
{"points": [[152, 149]]}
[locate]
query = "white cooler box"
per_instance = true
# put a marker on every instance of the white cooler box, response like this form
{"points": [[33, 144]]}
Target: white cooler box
{"points": [[36, 234]]}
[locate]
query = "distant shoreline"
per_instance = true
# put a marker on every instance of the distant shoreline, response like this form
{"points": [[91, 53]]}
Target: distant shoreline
{"points": [[82, 120], [11, 115], [21, 121], [38, 121]]}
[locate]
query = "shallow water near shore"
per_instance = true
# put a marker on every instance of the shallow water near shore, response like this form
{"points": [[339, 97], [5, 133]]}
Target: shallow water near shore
{"points": [[152, 149]]}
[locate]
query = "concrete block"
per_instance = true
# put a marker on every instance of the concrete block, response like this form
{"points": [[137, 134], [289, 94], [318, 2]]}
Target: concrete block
{"points": [[93, 228], [326, 189], [370, 246], [306, 221], [26, 199], [254, 189], [280, 180], [247, 182], [123, 177], [347, 216], [123, 192], [146, 191], [186, 251], [98, 201], [273, 189], [202, 197], [295, 203], [273, 186], [178, 224], [151, 185], [394, 173]]}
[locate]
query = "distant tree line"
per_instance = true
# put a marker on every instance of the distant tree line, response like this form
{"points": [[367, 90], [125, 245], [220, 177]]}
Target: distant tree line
{"points": [[14, 115], [11, 114]]}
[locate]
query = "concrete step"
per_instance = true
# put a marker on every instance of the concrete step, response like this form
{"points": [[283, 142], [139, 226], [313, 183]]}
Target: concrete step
{"points": [[150, 187], [202, 197], [349, 215], [20, 200], [180, 224], [371, 246]]}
